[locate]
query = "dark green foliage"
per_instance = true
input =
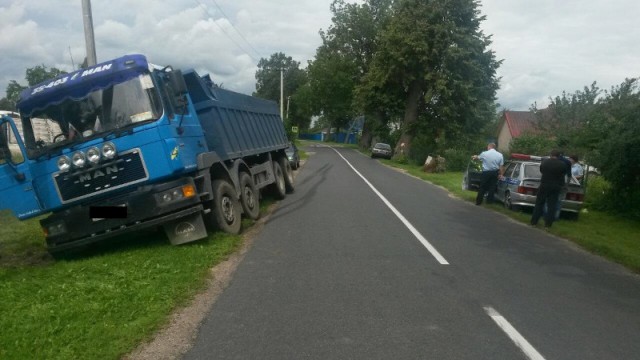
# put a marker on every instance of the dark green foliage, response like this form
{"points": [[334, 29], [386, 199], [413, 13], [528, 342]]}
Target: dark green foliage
{"points": [[457, 159], [598, 195], [268, 77], [532, 144], [602, 128], [344, 57], [434, 62]]}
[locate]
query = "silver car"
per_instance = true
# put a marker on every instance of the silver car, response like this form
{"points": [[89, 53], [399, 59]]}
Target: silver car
{"points": [[521, 181], [381, 150]]}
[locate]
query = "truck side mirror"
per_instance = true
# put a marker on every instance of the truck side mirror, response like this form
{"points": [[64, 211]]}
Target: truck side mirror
{"points": [[5, 152], [177, 82]]}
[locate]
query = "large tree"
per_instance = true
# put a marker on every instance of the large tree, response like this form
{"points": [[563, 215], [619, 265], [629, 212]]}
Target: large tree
{"points": [[346, 53], [434, 58], [268, 77]]}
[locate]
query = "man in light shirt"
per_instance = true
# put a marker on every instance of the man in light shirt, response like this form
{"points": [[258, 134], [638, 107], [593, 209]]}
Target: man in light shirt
{"points": [[492, 169]]}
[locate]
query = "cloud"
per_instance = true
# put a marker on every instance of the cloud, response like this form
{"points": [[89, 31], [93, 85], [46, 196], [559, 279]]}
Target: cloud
{"points": [[547, 46]]}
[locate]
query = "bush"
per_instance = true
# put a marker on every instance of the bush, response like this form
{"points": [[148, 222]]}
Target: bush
{"points": [[598, 193], [532, 144], [457, 159], [602, 195]]}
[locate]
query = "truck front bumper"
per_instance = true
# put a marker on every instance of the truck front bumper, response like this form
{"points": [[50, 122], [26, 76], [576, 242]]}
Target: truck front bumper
{"points": [[74, 227]]}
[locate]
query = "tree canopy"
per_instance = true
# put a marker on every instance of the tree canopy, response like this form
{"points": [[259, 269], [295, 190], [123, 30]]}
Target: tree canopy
{"points": [[34, 75], [434, 59]]}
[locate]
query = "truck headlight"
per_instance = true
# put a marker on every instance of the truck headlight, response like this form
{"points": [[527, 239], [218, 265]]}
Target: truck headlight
{"points": [[185, 191], [78, 159], [109, 150], [64, 163], [93, 155], [55, 229]]}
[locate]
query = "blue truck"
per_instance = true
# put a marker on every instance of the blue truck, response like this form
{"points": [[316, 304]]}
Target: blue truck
{"points": [[126, 145]]}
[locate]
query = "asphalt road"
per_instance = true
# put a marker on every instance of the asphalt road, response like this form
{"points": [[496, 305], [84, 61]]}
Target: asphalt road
{"points": [[376, 264]]}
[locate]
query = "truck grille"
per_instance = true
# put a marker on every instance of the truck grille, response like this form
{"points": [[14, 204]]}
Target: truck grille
{"points": [[127, 169]]}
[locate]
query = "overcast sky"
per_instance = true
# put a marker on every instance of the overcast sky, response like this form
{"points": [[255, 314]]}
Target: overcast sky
{"points": [[547, 45]]}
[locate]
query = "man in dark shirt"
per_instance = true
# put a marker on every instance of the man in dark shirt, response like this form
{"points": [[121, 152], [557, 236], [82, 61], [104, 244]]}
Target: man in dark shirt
{"points": [[553, 174]]}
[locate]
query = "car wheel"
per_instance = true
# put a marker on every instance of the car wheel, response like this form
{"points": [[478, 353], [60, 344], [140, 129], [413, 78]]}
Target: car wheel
{"points": [[508, 203], [225, 214], [250, 198]]}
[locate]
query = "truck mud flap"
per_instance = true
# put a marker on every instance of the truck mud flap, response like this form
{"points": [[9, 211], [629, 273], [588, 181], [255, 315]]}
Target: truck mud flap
{"points": [[186, 229]]}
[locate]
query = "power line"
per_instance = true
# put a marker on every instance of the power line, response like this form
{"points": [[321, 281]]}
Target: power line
{"points": [[236, 29], [221, 29]]}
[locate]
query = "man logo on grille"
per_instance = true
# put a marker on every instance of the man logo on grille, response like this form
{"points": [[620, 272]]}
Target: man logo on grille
{"points": [[98, 173]]}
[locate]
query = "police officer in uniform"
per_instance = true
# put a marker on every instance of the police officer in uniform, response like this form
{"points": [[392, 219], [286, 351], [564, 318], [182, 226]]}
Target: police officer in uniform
{"points": [[492, 169]]}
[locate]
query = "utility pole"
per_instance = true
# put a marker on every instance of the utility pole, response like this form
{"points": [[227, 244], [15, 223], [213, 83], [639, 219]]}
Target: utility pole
{"points": [[288, 99], [88, 33], [282, 93]]}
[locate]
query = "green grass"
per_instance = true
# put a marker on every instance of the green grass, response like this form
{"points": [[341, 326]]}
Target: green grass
{"points": [[102, 303], [612, 237]]}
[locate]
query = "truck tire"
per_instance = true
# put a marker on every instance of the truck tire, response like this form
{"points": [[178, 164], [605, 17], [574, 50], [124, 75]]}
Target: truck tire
{"points": [[288, 175], [225, 209], [278, 188], [250, 198]]}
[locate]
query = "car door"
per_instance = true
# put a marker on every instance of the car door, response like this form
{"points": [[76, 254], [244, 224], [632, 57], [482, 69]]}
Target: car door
{"points": [[16, 182], [506, 180]]}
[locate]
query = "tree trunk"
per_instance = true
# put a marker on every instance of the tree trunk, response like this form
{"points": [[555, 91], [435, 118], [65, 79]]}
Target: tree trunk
{"points": [[403, 147], [365, 139], [371, 123]]}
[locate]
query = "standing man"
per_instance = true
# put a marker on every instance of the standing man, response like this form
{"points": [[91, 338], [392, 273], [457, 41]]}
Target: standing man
{"points": [[492, 168], [553, 172]]}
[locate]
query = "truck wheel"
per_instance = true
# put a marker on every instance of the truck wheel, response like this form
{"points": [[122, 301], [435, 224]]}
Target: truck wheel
{"points": [[225, 210], [278, 188], [288, 175], [250, 198]]}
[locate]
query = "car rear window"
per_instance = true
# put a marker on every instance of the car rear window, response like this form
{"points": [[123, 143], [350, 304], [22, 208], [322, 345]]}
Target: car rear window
{"points": [[532, 171]]}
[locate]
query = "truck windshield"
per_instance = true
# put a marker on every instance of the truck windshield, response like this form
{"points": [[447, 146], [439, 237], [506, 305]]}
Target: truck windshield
{"points": [[98, 112]]}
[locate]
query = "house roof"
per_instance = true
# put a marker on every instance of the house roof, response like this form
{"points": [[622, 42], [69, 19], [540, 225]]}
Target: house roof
{"points": [[519, 122]]}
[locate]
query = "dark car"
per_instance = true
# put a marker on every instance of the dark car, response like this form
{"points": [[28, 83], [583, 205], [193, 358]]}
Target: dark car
{"points": [[381, 150], [293, 156], [472, 175]]}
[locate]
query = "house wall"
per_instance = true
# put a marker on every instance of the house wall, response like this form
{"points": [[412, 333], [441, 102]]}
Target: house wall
{"points": [[504, 138]]}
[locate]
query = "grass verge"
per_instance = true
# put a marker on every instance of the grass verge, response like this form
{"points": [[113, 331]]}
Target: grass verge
{"points": [[102, 303]]}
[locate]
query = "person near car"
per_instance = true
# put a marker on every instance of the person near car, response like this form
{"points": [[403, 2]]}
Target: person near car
{"points": [[565, 189], [553, 171], [492, 169], [576, 169]]}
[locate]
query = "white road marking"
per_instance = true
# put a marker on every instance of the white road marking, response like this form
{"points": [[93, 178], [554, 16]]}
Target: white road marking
{"points": [[406, 222], [513, 334]]}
